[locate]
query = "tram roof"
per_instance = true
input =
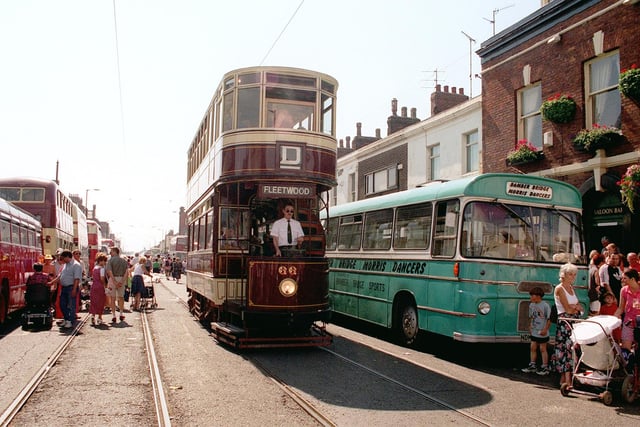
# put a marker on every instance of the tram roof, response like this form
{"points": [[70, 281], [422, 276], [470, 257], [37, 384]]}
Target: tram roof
{"points": [[490, 185], [281, 70]]}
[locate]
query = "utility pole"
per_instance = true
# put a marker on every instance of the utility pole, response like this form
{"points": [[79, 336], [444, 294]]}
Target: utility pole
{"points": [[471, 42]]}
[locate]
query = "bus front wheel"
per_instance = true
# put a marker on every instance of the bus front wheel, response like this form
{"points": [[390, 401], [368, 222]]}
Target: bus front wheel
{"points": [[406, 323]]}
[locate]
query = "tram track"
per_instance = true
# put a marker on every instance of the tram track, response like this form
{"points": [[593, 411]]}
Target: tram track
{"points": [[23, 396], [160, 403]]}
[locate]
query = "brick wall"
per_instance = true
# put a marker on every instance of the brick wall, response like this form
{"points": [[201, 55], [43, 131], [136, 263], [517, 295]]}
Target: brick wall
{"points": [[559, 67]]}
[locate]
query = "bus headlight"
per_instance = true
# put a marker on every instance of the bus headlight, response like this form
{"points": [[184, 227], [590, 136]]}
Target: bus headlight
{"points": [[288, 287], [484, 307]]}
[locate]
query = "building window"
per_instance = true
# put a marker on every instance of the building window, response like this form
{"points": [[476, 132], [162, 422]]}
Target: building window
{"points": [[434, 162], [352, 187], [472, 152], [530, 120], [381, 180], [603, 97]]}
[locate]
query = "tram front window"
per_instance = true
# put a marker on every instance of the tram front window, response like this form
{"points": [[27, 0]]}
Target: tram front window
{"points": [[290, 116]]}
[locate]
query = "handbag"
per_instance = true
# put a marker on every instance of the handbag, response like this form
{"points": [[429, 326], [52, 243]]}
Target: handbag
{"points": [[127, 291], [554, 314]]}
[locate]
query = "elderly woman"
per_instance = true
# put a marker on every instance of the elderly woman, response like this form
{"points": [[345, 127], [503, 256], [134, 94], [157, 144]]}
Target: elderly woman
{"points": [[568, 307]]}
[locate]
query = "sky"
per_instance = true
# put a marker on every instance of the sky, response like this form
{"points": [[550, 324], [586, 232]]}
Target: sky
{"points": [[115, 90]]}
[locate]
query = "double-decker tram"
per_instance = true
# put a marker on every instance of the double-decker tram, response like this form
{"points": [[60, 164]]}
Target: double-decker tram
{"points": [[44, 200], [456, 258], [266, 141], [20, 248]]}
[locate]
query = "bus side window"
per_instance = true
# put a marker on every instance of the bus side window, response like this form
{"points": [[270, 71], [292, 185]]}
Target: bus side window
{"points": [[413, 224]]}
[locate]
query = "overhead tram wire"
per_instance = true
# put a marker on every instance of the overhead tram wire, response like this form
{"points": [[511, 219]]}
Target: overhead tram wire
{"points": [[281, 32], [115, 26]]}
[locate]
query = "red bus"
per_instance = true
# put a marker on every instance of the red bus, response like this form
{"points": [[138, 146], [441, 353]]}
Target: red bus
{"points": [[267, 140], [44, 200], [20, 248], [94, 237], [80, 235]]}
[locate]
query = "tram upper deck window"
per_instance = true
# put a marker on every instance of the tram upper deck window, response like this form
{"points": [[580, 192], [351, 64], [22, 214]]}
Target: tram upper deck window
{"points": [[249, 78], [227, 114], [328, 87], [327, 115], [248, 107], [285, 79]]}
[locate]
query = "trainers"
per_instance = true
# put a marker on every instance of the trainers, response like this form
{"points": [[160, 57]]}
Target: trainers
{"points": [[529, 369], [68, 324], [544, 370], [121, 318]]}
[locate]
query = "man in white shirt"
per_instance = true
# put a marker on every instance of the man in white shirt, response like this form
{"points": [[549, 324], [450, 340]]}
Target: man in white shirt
{"points": [[286, 232]]}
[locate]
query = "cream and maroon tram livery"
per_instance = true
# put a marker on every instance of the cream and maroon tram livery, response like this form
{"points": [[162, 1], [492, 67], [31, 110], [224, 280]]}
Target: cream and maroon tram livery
{"points": [[267, 140]]}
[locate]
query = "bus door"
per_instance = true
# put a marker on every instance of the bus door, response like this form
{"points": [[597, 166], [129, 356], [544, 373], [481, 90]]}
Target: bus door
{"points": [[442, 293]]}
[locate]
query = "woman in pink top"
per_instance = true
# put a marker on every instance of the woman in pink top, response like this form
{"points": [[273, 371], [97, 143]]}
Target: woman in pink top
{"points": [[629, 305]]}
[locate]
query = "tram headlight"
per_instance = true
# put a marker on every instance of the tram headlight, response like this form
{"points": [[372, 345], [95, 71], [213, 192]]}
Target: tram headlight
{"points": [[288, 287], [484, 307]]}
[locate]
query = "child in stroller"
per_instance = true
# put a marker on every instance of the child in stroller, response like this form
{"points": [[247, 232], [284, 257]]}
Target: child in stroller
{"points": [[38, 311], [85, 295]]}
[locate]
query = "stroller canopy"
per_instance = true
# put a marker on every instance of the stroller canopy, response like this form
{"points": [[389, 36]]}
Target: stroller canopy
{"points": [[594, 329]]}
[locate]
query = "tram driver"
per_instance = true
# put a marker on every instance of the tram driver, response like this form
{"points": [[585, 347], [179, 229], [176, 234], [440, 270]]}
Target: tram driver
{"points": [[286, 232]]}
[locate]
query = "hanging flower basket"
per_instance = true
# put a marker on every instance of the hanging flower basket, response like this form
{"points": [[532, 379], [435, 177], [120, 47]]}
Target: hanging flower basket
{"points": [[525, 152], [599, 136], [630, 185], [629, 84], [558, 109]]}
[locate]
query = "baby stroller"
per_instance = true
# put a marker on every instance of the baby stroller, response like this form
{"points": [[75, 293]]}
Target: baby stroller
{"points": [[85, 295], [38, 313], [599, 362], [148, 297]]}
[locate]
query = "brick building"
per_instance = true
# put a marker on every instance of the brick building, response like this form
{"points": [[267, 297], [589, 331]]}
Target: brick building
{"points": [[575, 48]]}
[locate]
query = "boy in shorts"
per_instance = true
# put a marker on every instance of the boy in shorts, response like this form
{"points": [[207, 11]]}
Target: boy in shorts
{"points": [[539, 324]]}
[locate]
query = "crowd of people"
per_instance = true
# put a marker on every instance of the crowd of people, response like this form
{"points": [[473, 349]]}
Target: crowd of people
{"points": [[614, 289], [113, 280]]}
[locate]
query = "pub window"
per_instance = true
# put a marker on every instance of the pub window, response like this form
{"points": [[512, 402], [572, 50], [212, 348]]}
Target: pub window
{"points": [[529, 117], [603, 97]]}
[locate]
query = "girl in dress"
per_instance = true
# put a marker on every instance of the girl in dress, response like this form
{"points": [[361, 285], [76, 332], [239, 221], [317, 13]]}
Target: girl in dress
{"points": [[98, 296]]}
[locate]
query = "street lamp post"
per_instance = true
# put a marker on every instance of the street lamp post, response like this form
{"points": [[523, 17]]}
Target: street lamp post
{"points": [[86, 200]]}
